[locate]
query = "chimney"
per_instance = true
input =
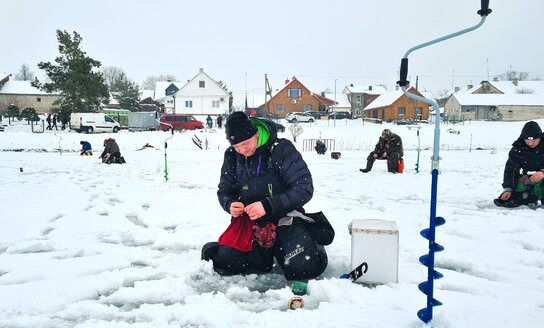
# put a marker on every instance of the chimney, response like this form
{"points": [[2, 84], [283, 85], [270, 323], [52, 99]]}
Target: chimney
{"points": [[322, 93], [286, 81], [396, 87], [201, 70], [496, 79], [351, 85], [456, 89], [369, 88], [469, 86], [515, 81]]}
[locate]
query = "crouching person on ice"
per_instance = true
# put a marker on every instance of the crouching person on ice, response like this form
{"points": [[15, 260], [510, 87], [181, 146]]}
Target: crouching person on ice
{"points": [[111, 153], [524, 169], [264, 184]]}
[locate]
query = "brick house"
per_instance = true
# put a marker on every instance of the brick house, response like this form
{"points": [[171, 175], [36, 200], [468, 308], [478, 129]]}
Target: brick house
{"points": [[396, 106], [295, 97]]}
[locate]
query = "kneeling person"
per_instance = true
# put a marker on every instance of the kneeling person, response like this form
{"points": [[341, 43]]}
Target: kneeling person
{"points": [[263, 178], [523, 172], [111, 153]]}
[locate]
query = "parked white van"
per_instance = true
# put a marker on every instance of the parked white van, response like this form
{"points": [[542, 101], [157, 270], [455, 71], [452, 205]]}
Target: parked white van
{"points": [[93, 122]]}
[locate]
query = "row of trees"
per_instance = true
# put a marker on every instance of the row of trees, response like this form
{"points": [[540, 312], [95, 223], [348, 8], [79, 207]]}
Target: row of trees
{"points": [[28, 113], [80, 82]]}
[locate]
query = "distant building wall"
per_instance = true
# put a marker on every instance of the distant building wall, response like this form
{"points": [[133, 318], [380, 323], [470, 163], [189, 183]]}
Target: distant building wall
{"points": [[41, 103]]}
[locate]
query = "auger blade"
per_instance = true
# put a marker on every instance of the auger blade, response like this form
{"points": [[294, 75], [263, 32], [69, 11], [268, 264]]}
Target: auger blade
{"points": [[424, 315], [425, 233], [439, 221], [424, 259], [437, 247], [424, 287]]}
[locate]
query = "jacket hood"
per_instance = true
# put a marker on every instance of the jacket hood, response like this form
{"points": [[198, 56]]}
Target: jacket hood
{"points": [[267, 133]]}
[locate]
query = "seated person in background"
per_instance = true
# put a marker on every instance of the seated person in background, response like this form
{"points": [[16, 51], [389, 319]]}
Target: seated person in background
{"points": [[86, 149], [523, 172], [111, 153], [389, 147]]}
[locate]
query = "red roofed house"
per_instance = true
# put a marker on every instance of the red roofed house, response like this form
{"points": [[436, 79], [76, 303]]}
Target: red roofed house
{"points": [[295, 97]]}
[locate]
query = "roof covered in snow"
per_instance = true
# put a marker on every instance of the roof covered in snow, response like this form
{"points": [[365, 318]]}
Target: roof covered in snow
{"points": [[21, 88], [500, 99]]}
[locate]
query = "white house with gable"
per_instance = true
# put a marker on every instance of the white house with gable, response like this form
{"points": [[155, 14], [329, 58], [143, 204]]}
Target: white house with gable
{"points": [[201, 96]]}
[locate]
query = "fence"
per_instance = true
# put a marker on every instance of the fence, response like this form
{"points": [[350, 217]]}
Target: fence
{"points": [[309, 144]]}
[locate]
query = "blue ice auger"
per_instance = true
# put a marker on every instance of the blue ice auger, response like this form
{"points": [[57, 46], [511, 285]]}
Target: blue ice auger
{"points": [[426, 314]]}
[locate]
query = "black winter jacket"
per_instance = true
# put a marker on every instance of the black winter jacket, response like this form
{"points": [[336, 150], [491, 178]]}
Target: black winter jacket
{"points": [[393, 144], [281, 180], [522, 159], [110, 147]]}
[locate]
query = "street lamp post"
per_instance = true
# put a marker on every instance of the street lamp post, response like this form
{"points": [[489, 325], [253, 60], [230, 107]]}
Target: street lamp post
{"points": [[334, 108]]}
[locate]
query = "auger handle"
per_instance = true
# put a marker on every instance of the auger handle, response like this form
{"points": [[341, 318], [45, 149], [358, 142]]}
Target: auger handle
{"points": [[485, 8], [403, 73]]}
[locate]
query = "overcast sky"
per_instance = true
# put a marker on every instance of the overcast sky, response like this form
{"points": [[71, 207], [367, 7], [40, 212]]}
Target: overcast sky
{"points": [[320, 42]]}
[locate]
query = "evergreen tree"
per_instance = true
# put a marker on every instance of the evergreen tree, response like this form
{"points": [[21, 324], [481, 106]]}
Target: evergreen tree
{"points": [[72, 76], [12, 112], [28, 113], [126, 93]]}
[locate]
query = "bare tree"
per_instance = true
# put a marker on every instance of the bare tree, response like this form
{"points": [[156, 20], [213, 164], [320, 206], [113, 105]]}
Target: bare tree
{"points": [[25, 74], [511, 75], [111, 73], [150, 81], [295, 130]]}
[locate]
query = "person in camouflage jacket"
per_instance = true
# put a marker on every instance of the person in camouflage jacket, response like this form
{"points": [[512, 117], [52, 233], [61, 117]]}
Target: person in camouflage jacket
{"points": [[389, 147]]}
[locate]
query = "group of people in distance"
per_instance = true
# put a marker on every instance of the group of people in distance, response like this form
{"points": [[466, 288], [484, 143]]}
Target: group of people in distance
{"points": [[110, 155], [265, 183]]}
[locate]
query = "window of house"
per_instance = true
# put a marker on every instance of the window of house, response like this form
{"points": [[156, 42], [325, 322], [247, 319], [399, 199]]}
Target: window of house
{"points": [[189, 103], [401, 111], [38, 99], [307, 108], [215, 103], [419, 110], [281, 108], [294, 93], [170, 101], [201, 84], [358, 100]]}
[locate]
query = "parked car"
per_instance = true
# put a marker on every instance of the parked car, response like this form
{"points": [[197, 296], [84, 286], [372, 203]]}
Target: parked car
{"points": [[180, 122], [279, 127], [316, 115], [299, 117], [339, 115]]}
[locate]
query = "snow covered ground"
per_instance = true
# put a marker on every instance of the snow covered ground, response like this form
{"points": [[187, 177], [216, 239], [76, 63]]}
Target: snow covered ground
{"points": [[83, 244]]}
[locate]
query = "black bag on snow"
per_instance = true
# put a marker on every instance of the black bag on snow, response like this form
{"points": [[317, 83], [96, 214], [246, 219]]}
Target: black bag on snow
{"points": [[317, 224]]}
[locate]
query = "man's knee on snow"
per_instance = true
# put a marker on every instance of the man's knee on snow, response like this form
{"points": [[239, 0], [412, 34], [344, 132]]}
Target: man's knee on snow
{"points": [[228, 260]]}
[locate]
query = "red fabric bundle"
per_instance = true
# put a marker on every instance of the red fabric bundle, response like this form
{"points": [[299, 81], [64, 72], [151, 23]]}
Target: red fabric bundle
{"points": [[239, 234]]}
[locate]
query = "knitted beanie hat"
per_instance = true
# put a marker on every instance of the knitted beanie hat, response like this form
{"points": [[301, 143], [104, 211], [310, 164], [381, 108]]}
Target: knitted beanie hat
{"points": [[239, 127], [531, 131]]}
